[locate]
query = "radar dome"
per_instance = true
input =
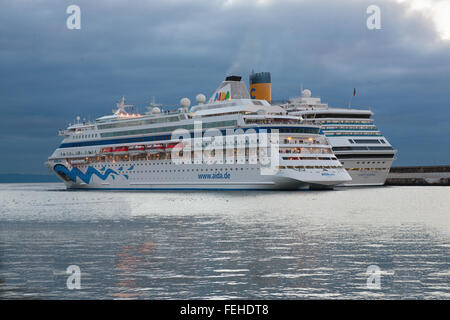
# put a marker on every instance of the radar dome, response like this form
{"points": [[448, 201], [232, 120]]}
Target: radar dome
{"points": [[156, 110], [200, 98], [306, 93], [185, 102]]}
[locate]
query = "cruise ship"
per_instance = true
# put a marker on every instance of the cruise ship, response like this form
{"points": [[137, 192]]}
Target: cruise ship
{"points": [[230, 142], [358, 144]]}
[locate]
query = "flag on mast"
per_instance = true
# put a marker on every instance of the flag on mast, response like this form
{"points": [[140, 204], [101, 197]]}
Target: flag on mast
{"points": [[351, 97]]}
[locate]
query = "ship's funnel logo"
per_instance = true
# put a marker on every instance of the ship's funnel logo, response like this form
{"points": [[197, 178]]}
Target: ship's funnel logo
{"points": [[222, 96], [223, 93]]}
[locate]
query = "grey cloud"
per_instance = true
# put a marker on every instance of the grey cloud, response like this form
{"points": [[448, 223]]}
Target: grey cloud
{"points": [[172, 49]]}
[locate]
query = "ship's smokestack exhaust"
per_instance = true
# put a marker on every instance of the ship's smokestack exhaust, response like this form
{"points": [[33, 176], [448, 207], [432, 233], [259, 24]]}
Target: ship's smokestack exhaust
{"points": [[233, 78], [261, 86]]}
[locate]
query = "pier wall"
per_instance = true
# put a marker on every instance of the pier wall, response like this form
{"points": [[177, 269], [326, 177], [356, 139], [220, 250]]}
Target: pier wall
{"points": [[429, 175]]}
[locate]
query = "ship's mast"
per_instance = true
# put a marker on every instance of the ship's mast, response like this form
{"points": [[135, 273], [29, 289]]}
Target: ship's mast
{"points": [[121, 107]]}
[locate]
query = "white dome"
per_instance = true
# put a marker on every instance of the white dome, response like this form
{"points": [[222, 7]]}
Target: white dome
{"points": [[200, 98], [156, 110], [306, 93], [185, 102]]}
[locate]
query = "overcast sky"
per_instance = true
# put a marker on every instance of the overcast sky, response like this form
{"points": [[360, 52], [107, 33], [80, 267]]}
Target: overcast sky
{"points": [[171, 49]]}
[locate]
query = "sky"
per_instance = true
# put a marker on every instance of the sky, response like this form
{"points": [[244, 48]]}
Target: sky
{"points": [[171, 49]]}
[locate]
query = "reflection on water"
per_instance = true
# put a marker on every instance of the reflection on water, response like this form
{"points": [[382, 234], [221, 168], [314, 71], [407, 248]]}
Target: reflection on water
{"points": [[206, 245], [130, 259]]}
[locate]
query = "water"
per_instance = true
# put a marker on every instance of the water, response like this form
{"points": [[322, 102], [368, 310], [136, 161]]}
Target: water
{"points": [[220, 245]]}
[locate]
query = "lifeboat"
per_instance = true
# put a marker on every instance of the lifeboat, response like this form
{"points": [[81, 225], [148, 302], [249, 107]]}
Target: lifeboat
{"points": [[155, 148], [120, 149], [171, 145], [176, 146], [136, 149]]}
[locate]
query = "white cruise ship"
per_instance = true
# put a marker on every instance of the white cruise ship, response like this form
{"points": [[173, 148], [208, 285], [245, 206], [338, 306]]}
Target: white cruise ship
{"points": [[230, 142], [365, 153]]}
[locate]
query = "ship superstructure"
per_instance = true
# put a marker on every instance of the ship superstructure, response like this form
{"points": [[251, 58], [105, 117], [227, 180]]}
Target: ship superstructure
{"points": [[358, 144]]}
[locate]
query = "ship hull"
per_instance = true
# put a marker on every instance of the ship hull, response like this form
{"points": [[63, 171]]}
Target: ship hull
{"points": [[367, 167], [372, 173], [166, 176]]}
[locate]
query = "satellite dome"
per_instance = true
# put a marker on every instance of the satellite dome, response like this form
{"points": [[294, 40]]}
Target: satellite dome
{"points": [[306, 93], [156, 110], [185, 102], [200, 98]]}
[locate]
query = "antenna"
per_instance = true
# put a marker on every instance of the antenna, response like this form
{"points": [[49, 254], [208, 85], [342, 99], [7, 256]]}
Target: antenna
{"points": [[121, 107], [153, 105]]}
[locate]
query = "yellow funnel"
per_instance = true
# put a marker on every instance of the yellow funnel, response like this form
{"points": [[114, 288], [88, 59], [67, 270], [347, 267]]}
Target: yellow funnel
{"points": [[260, 86]]}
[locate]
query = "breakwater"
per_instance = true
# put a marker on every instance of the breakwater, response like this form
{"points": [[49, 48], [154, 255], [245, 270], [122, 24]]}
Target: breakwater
{"points": [[419, 175]]}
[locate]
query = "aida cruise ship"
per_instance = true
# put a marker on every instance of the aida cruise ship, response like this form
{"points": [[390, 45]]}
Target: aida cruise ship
{"points": [[358, 144], [264, 148]]}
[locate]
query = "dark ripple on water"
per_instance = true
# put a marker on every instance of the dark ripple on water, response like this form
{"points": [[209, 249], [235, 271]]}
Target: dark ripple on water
{"points": [[224, 245]]}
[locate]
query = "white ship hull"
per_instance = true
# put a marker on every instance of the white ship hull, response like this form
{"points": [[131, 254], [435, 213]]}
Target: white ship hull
{"points": [[166, 176], [370, 175], [367, 168]]}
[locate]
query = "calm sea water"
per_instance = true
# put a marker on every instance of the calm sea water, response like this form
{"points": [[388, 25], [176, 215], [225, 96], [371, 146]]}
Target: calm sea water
{"points": [[221, 245]]}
